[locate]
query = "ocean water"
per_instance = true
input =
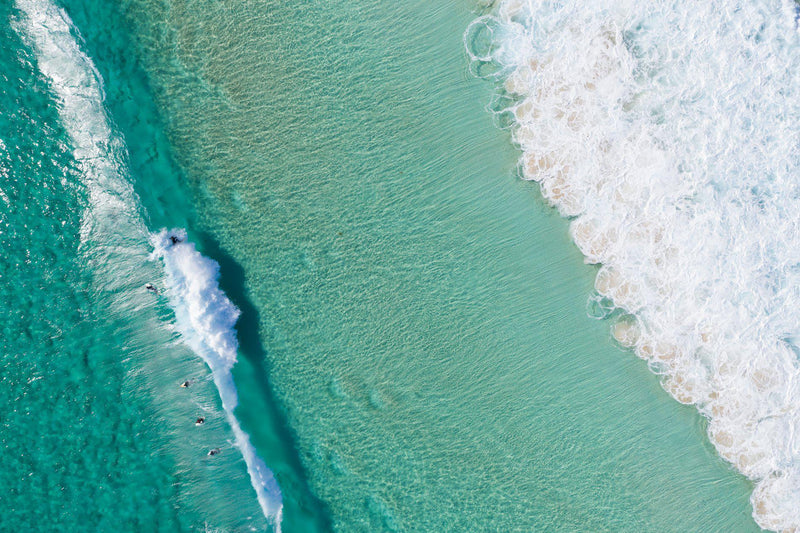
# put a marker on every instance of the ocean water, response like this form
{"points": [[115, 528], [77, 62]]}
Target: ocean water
{"points": [[383, 326]]}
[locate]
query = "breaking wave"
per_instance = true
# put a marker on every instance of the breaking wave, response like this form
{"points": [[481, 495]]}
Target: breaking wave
{"points": [[205, 317], [669, 133]]}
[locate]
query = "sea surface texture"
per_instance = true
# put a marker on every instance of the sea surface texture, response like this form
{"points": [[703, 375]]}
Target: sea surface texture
{"points": [[668, 134], [382, 326]]}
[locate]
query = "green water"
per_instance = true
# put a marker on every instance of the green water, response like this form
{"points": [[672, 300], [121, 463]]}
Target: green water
{"points": [[416, 353]]}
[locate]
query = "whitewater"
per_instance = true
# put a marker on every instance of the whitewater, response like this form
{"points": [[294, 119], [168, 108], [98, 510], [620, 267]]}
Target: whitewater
{"points": [[668, 133], [114, 236]]}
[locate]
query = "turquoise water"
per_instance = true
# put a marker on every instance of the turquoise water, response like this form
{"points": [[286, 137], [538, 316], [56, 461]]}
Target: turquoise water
{"points": [[415, 350]]}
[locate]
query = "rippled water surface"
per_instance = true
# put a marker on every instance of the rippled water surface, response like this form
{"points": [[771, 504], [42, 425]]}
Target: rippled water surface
{"points": [[414, 348]]}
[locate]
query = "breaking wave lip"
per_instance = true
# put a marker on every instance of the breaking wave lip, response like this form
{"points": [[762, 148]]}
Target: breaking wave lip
{"points": [[668, 133], [205, 317]]}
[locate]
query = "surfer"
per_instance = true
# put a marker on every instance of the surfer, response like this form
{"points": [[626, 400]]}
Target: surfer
{"points": [[215, 451], [200, 421], [185, 384], [150, 287], [174, 239]]}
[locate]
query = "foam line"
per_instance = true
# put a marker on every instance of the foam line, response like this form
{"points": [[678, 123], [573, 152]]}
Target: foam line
{"points": [[76, 84], [205, 317], [668, 133]]}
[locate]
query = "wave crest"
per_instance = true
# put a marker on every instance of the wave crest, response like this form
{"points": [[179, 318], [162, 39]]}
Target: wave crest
{"points": [[206, 318]]}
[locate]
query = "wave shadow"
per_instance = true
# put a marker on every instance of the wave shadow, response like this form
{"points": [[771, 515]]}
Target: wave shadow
{"points": [[231, 281]]}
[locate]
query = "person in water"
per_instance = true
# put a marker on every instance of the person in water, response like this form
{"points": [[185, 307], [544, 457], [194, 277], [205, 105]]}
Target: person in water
{"points": [[185, 384], [215, 451], [150, 287], [174, 239], [200, 421]]}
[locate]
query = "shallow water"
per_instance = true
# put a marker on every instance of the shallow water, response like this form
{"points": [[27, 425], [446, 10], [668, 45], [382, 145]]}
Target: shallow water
{"points": [[409, 289]]}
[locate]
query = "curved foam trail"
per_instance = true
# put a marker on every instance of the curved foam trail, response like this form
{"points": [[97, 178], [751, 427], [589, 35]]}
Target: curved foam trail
{"points": [[668, 132], [76, 84], [206, 319], [205, 316]]}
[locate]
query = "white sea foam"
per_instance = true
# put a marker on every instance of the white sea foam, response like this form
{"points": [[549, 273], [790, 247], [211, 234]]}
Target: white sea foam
{"points": [[205, 317], [76, 84], [668, 131]]}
